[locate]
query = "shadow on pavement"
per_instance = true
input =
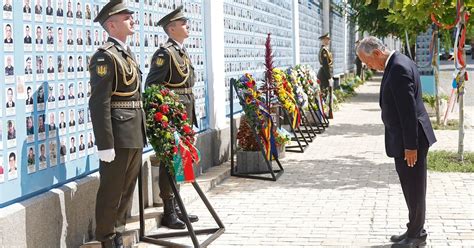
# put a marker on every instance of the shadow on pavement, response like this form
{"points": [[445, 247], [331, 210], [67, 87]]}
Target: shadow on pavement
{"points": [[365, 97], [356, 130], [342, 173]]}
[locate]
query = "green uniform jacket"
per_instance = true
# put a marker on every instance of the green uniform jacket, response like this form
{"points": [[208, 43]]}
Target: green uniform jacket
{"points": [[325, 71], [116, 76], [171, 66]]}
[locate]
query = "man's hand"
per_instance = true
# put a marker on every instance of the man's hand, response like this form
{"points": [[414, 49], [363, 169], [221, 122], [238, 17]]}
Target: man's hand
{"points": [[106, 155], [410, 157]]}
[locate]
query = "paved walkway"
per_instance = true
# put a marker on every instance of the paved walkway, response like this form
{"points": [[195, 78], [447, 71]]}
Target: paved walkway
{"points": [[343, 191]]}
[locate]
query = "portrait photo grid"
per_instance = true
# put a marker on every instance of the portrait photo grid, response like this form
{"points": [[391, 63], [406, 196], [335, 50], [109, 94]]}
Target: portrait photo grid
{"points": [[246, 25], [310, 24], [46, 135]]}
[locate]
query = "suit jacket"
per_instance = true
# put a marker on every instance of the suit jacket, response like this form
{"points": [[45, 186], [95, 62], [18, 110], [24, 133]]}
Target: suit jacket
{"points": [[403, 111], [27, 40], [116, 127]]}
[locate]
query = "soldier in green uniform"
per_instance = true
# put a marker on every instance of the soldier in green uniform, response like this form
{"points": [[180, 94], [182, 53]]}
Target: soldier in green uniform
{"points": [[118, 122], [325, 71], [171, 66]]}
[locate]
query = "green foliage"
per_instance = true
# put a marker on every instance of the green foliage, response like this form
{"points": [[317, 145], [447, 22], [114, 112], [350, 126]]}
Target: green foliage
{"points": [[383, 17], [368, 74], [371, 19], [444, 161], [429, 99], [346, 90], [450, 125]]}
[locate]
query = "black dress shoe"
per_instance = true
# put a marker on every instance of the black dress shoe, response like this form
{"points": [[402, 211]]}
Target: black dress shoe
{"points": [[410, 242], [398, 238]]}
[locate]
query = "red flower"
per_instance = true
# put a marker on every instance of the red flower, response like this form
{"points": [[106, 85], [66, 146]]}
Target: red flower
{"points": [[165, 109], [164, 124], [184, 117], [175, 149], [164, 92], [249, 84], [187, 129], [158, 116]]}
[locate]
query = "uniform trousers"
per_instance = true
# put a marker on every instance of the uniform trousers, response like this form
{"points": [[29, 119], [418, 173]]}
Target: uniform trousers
{"points": [[114, 197]]}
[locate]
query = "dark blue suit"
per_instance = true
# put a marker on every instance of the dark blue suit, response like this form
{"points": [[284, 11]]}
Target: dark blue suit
{"points": [[407, 126]]}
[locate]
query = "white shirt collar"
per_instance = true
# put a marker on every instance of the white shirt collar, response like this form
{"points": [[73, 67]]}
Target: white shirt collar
{"points": [[179, 44], [389, 56], [121, 43]]}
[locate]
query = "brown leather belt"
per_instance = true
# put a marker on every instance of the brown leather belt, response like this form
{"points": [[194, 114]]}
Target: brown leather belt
{"points": [[182, 91], [126, 104]]}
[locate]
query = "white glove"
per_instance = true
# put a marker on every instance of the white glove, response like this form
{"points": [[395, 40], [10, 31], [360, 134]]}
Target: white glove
{"points": [[106, 155], [331, 82]]}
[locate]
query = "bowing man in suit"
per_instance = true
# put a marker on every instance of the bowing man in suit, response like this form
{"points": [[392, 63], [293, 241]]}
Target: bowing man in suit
{"points": [[408, 131]]}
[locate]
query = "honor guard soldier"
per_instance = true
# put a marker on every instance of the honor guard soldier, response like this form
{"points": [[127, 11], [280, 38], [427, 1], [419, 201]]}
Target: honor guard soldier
{"points": [[325, 71], [171, 66], [118, 122]]}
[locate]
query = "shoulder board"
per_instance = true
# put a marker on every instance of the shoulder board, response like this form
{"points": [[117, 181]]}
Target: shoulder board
{"points": [[167, 44], [106, 46]]}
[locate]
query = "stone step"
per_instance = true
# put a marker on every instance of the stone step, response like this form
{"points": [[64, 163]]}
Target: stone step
{"points": [[206, 181]]}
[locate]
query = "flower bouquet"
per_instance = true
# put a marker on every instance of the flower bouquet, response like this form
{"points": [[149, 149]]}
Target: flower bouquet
{"points": [[284, 91], [170, 133]]}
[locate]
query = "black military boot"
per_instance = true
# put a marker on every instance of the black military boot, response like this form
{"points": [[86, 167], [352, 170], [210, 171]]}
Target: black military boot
{"points": [[118, 240], [192, 218], [115, 242], [170, 219]]}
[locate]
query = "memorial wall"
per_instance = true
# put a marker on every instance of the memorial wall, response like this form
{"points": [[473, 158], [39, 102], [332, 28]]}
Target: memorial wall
{"points": [[246, 25], [46, 136], [311, 27]]}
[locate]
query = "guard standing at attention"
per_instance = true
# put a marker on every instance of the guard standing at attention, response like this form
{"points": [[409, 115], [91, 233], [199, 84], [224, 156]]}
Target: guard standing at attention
{"points": [[325, 72], [171, 66], [118, 122]]}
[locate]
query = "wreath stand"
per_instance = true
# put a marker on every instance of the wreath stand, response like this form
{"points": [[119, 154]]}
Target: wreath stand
{"points": [[300, 146], [158, 239], [311, 133], [321, 122], [274, 173]]}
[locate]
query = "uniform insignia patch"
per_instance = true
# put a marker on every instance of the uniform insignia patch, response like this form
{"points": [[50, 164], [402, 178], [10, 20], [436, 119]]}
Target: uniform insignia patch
{"points": [[160, 62], [101, 70]]}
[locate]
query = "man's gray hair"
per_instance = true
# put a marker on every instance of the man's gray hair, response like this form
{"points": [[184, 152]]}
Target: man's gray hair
{"points": [[369, 44]]}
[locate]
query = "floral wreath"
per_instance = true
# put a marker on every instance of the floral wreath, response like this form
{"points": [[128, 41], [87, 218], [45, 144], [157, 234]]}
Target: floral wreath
{"points": [[309, 81], [284, 91], [170, 133], [301, 96], [257, 112]]}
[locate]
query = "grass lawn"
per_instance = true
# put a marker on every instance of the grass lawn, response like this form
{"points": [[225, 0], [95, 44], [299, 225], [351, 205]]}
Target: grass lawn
{"points": [[451, 125], [444, 161]]}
